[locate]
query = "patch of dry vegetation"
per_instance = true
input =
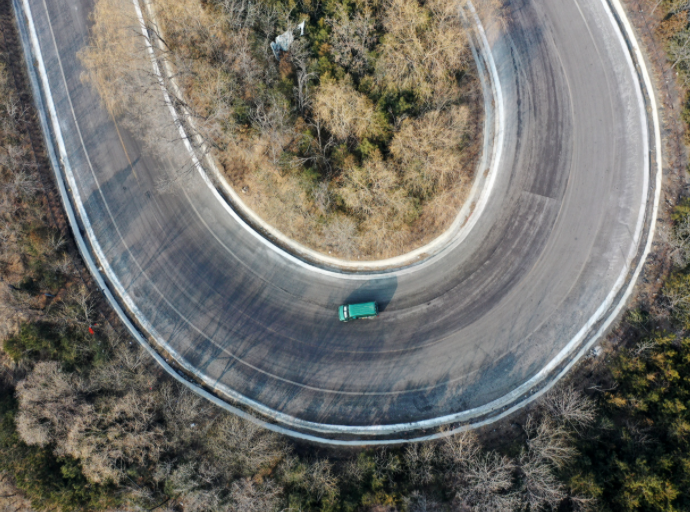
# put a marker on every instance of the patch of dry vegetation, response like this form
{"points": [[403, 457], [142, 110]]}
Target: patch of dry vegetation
{"points": [[422, 48], [35, 269], [361, 141]]}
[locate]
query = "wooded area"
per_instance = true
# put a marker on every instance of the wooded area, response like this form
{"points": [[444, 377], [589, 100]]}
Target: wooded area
{"points": [[318, 142], [89, 422]]}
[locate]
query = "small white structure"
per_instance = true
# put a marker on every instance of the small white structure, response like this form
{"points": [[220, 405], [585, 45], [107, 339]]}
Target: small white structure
{"points": [[284, 40]]}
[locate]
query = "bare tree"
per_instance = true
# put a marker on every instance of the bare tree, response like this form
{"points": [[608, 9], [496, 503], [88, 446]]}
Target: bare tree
{"points": [[679, 53], [242, 448], [63, 265], [189, 484], [568, 405], [320, 481], [8, 230], [356, 469], [240, 13], [353, 37], [347, 112], [271, 119], [643, 347], [678, 237], [300, 58], [341, 236], [424, 46], [23, 184], [419, 461], [460, 449], [11, 498], [486, 483], [322, 197], [186, 414], [374, 190], [418, 502], [49, 402], [319, 148], [426, 149], [549, 447], [549, 441], [79, 306], [540, 484], [126, 370], [121, 432], [246, 496]]}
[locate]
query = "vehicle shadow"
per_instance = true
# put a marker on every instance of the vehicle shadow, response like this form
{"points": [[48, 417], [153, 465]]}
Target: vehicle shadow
{"points": [[380, 290]]}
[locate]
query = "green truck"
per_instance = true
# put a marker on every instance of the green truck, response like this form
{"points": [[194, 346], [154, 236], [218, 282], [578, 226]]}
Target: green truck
{"points": [[348, 312]]}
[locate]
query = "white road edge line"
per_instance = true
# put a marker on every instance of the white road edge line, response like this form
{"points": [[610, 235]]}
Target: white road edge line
{"points": [[338, 429]]}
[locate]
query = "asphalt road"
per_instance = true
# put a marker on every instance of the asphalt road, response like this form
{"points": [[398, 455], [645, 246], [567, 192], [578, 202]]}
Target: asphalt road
{"points": [[466, 328]]}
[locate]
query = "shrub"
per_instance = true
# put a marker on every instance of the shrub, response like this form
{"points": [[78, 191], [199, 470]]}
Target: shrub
{"points": [[72, 346], [50, 482], [348, 113]]}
